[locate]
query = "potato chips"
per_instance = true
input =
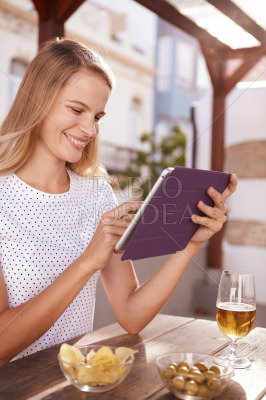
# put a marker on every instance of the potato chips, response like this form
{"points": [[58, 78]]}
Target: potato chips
{"points": [[96, 368]]}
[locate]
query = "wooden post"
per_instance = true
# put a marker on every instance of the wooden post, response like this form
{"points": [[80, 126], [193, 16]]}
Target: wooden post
{"points": [[50, 29], [215, 254], [49, 26]]}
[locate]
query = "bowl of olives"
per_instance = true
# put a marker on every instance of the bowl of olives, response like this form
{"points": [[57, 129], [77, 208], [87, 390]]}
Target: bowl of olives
{"points": [[190, 376]]}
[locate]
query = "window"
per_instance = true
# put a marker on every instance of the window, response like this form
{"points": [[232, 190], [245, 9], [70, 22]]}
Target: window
{"points": [[17, 71], [203, 79], [134, 123], [164, 64], [185, 65]]}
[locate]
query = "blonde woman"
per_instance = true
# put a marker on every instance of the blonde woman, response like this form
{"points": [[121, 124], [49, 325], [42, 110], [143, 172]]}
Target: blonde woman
{"points": [[59, 217]]}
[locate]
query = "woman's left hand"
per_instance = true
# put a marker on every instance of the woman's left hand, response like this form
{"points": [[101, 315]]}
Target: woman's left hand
{"points": [[215, 216]]}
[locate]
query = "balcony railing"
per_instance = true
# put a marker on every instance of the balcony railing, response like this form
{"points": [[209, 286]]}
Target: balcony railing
{"points": [[116, 158]]}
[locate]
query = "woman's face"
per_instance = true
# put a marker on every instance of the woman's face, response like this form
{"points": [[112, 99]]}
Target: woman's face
{"points": [[73, 120]]}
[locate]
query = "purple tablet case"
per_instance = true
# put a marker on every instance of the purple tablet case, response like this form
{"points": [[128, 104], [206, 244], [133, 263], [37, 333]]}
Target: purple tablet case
{"points": [[165, 226]]}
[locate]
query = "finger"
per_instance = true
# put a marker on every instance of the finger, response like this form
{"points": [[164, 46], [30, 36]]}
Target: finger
{"points": [[231, 188], [124, 209], [216, 213], [218, 199], [112, 220], [128, 217], [211, 224], [109, 231]]}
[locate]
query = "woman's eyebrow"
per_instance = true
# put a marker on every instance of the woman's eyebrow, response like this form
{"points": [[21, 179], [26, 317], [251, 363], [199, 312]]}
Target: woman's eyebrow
{"points": [[79, 102]]}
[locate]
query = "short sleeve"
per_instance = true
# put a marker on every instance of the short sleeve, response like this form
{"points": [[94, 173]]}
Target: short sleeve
{"points": [[106, 197]]}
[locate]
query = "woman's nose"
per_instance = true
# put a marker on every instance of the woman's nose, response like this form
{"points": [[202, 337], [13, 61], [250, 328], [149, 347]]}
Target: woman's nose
{"points": [[89, 127]]}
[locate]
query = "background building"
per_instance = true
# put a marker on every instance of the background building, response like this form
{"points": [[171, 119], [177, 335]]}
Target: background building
{"points": [[130, 109], [181, 80]]}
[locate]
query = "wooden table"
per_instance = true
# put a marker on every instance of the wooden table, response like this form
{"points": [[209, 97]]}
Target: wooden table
{"points": [[38, 376]]}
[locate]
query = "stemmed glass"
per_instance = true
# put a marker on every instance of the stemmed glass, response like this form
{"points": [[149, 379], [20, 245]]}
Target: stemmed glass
{"points": [[235, 313]]}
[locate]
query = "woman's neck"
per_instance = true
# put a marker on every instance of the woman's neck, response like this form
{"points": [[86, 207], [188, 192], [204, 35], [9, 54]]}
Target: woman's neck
{"points": [[47, 178]]}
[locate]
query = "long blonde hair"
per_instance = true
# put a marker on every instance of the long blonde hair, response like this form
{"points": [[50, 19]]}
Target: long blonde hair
{"points": [[48, 72]]}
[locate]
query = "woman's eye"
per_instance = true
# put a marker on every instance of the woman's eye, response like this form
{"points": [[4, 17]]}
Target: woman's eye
{"points": [[77, 111]]}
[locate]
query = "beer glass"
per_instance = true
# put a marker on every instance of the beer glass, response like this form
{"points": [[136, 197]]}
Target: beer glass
{"points": [[235, 313]]}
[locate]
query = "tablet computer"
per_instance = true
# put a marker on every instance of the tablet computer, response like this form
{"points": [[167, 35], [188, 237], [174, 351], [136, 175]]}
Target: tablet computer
{"points": [[123, 241], [163, 223]]}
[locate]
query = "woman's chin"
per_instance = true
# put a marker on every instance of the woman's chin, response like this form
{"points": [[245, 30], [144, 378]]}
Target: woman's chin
{"points": [[73, 159]]}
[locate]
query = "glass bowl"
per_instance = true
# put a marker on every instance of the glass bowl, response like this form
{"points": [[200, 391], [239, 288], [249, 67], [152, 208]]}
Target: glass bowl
{"points": [[95, 378], [188, 381]]}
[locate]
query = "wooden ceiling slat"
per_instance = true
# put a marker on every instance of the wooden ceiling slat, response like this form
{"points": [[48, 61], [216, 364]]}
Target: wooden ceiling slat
{"points": [[240, 18], [65, 8], [166, 11]]}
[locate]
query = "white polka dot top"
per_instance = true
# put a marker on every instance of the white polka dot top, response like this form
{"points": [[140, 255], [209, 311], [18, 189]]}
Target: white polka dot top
{"points": [[40, 235]]}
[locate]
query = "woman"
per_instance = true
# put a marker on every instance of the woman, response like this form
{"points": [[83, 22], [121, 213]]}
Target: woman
{"points": [[59, 218]]}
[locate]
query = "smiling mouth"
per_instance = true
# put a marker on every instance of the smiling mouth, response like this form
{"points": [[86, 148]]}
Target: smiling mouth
{"points": [[78, 143]]}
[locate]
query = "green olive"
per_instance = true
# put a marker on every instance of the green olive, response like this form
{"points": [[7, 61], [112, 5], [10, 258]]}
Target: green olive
{"points": [[203, 390], [208, 373], [201, 366], [194, 379], [175, 365], [168, 373], [183, 364], [191, 387], [183, 370], [214, 384], [193, 368], [170, 366], [215, 369], [197, 376], [178, 382]]}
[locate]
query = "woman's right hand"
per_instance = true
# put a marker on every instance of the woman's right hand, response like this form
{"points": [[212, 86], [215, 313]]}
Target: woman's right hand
{"points": [[111, 227]]}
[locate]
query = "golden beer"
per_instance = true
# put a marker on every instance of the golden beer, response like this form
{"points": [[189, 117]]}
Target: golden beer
{"points": [[235, 320]]}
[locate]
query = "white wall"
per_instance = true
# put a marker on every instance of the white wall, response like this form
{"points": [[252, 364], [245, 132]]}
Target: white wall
{"points": [[245, 115], [245, 121], [12, 45], [115, 124], [204, 124]]}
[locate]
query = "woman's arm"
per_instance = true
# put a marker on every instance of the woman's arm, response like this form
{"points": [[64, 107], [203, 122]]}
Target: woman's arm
{"points": [[135, 306], [22, 325]]}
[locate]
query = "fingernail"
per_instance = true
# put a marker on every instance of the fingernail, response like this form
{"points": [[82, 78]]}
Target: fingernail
{"points": [[194, 218]]}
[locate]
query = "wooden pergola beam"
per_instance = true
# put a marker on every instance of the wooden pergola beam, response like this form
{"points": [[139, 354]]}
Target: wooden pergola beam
{"points": [[168, 12], [245, 52], [233, 12], [241, 71]]}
